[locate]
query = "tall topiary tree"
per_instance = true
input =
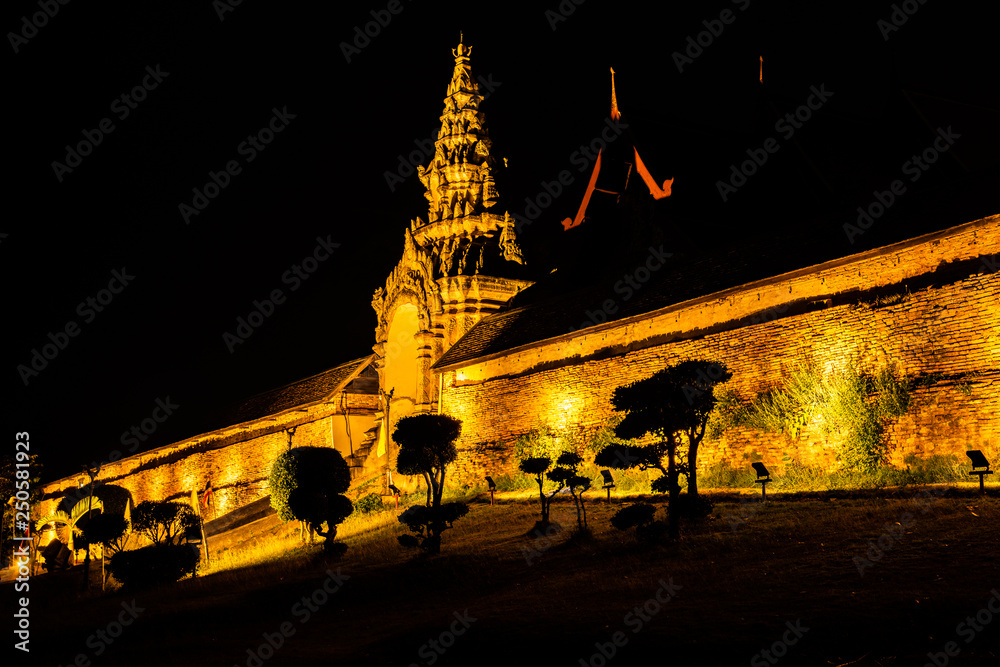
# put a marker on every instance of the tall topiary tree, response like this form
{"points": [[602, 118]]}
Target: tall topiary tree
{"points": [[92, 473], [568, 475], [308, 484], [426, 447], [674, 401], [111, 531], [537, 466]]}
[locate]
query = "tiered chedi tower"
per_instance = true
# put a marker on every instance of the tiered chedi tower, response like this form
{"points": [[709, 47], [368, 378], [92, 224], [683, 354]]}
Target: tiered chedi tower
{"points": [[438, 291]]}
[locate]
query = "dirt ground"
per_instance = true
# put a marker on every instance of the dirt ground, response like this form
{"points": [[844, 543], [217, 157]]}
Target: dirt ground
{"points": [[784, 577]]}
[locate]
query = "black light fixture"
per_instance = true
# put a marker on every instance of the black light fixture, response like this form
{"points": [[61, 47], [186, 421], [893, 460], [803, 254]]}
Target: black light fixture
{"points": [[493, 487], [763, 477], [609, 482], [395, 493], [980, 466]]}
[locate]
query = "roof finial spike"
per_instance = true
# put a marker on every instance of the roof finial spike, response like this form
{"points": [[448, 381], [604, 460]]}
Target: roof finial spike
{"points": [[615, 114], [461, 50]]}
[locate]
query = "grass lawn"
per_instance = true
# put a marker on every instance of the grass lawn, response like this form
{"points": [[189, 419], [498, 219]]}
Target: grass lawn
{"points": [[739, 578]]}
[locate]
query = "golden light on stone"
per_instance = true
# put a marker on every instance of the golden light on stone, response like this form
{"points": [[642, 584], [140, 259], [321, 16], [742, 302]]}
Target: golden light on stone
{"points": [[451, 276], [438, 290]]}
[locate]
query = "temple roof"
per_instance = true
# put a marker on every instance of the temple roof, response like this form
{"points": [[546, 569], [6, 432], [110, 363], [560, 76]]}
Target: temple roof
{"points": [[561, 304], [302, 392], [617, 169]]}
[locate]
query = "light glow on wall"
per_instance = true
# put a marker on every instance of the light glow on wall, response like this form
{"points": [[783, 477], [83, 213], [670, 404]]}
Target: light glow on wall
{"points": [[562, 409]]}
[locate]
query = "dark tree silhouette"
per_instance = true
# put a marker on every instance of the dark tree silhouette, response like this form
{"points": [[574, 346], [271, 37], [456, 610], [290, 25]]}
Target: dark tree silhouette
{"points": [[163, 522], [111, 531], [674, 401], [91, 473], [565, 476], [426, 447], [537, 466]]}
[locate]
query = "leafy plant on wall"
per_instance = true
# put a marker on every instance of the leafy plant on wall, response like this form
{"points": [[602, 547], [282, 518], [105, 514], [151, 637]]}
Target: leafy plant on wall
{"points": [[855, 406], [541, 443]]}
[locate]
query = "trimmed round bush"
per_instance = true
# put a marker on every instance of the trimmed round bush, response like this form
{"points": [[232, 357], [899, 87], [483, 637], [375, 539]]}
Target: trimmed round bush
{"points": [[154, 565], [317, 473], [307, 484]]}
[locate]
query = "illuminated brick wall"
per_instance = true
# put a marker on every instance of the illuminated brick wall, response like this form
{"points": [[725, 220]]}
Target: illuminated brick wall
{"points": [[951, 328], [237, 460]]}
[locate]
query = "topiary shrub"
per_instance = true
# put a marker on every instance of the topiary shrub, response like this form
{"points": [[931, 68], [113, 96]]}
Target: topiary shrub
{"points": [[428, 523], [163, 522], [426, 447], [154, 565], [370, 504], [307, 484]]}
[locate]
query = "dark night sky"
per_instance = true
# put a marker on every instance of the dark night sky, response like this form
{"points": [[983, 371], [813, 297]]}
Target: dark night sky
{"points": [[324, 175]]}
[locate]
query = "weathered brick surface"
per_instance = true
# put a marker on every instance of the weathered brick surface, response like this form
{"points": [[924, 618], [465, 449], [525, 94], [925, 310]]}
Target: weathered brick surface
{"points": [[951, 328], [236, 460], [947, 321]]}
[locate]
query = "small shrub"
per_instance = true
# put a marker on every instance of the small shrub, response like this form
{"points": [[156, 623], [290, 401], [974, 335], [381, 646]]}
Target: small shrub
{"points": [[516, 482], [640, 517], [428, 523], [633, 515], [798, 477], [109, 530], [370, 504], [722, 475], [153, 565], [426, 448], [541, 443], [935, 468]]}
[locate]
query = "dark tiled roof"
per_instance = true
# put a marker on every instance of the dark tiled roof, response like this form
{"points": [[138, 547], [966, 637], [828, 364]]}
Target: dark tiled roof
{"points": [[680, 279], [301, 392], [558, 304]]}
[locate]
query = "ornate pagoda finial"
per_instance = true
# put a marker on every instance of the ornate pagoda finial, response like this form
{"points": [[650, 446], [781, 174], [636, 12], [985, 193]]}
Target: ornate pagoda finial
{"points": [[463, 204], [461, 52]]}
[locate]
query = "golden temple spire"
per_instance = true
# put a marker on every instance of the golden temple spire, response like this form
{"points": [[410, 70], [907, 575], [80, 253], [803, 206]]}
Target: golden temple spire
{"points": [[459, 181]]}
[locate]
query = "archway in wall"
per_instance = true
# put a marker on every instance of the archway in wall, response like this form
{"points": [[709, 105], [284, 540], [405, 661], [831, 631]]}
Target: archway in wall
{"points": [[400, 363]]}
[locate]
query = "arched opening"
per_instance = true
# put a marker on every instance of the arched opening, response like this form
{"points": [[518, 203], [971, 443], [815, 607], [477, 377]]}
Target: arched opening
{"points": [[401, 361]]}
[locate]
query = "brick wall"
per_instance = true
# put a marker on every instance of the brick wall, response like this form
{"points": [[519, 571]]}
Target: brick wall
{"points": [[237, 460], [944, 318]]}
